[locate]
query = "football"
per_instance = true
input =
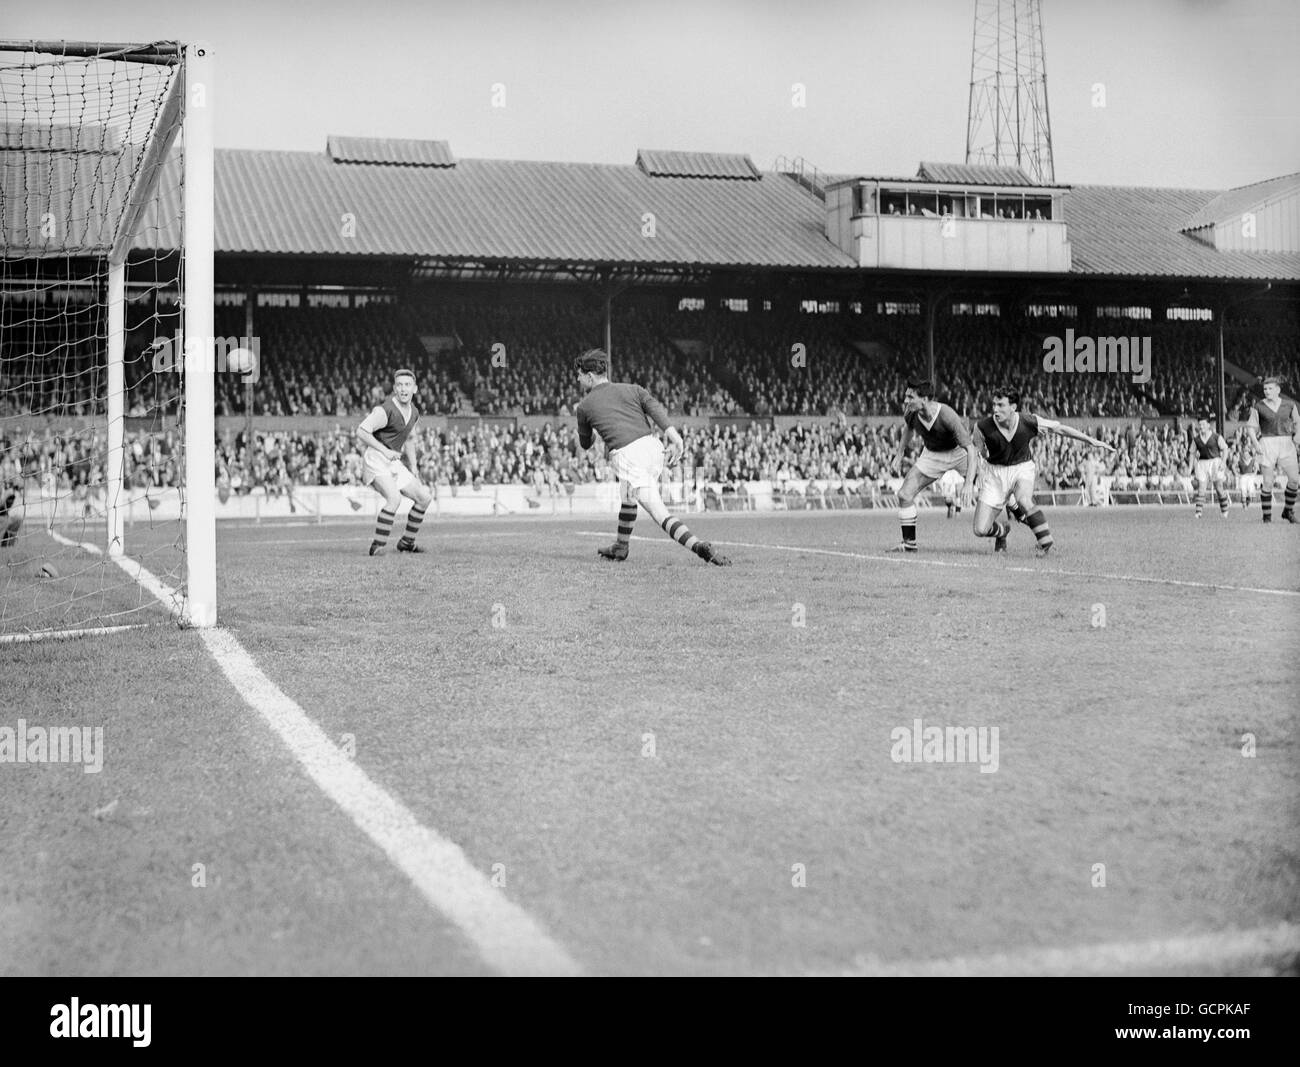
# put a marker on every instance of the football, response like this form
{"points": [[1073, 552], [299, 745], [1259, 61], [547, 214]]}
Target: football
{"points": [[240, 361]]}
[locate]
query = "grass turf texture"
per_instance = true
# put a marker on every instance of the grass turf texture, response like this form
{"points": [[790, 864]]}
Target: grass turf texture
{"points": [[506, 686]]}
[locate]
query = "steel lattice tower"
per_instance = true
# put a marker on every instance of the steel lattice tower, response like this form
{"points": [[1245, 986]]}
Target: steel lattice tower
{"points": [[1007, 121]]}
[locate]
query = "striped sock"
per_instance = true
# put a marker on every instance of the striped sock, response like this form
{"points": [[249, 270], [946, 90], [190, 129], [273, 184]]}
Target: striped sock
{"points": [[1037, 522], [1199, 500], [1290, 497], [1222, 495], [907, 517], [1017, 512], [678, 531], [1000, 529], [626, 517], [1266, 502], [413, 521], [384, 526]]}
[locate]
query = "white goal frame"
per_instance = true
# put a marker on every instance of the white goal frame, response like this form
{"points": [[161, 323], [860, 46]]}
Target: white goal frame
{"points": [[191, 96]]}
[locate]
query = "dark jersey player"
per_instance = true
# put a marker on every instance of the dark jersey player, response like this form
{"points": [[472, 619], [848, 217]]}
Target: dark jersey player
{"points": [[1009, 468], [623, 415], [947, 448], [1274, 428], [1208, 452], [386, 435]]}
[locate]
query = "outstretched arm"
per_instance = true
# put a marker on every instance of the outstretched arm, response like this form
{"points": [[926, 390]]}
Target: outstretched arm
{"points": [[1051, 426]]}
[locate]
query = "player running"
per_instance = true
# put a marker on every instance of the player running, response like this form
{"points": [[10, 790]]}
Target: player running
{"points": [[1274, 430], [386, 435], [947, 448], [622, 414], [1009, 468], [1208, 451]]}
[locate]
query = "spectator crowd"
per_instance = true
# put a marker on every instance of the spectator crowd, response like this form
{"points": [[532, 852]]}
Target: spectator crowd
{"points": [[548, 457], [515, 358]]}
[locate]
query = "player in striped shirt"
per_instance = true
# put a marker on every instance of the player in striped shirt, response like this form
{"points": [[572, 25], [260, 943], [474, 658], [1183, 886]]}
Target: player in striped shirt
{"points": [[1009, 468], [1274, 431], [623, 414], [386, 436], [947, 447], [1207, 451]]}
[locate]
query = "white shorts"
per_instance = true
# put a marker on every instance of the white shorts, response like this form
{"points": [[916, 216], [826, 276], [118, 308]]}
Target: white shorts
{"points": [[998, 483], [933, 464], [1277, 452], [375, 464], [1210, 470], [951, 482], [638, 466]]}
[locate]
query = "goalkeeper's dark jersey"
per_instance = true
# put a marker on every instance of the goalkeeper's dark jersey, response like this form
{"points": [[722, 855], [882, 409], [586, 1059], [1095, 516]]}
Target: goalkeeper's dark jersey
{"points": [[620, 412]]}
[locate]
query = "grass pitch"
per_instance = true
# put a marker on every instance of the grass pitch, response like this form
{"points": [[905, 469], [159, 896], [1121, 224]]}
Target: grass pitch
{"points": [[679, 768]]}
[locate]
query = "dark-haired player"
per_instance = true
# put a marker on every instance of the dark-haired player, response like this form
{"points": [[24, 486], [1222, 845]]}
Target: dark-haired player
{"points": [[947, 448], [622, 414], [1274, 430], [386, 435], [1208, 451], [1009, 468]]}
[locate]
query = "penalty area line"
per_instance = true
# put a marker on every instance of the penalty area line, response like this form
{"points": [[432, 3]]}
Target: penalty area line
{"points": [[913, 561], [509, 940], [1275, 946]]}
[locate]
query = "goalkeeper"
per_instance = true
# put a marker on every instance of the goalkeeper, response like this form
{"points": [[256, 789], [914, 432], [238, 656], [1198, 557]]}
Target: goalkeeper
{"points": [[622, 414]]}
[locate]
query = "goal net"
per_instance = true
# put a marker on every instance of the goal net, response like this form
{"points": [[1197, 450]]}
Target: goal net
{"points": [[105, 271]]}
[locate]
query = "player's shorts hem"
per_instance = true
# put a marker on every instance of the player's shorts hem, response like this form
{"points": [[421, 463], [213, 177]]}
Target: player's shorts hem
{"points": [[935, 464], [374, 465], [997, 483], [1276, 451], [639, 464], [1211, 470]]}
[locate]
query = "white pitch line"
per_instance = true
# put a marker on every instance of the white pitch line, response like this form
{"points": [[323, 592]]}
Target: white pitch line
{"points": [[171, 598], [506, 936], [913, 561], [509, 940], [1266, 946]]}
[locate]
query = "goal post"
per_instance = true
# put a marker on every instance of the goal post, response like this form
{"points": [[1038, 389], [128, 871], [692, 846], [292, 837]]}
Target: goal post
{"points": [[107, 353], [200, 341]]}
